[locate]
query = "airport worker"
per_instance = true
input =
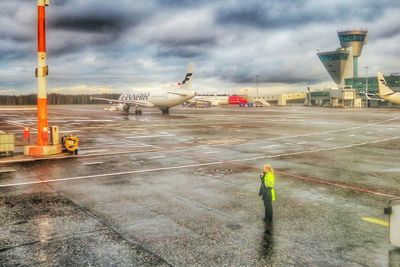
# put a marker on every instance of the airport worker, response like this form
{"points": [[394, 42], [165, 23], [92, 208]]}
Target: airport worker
{"points": [[267, 190], [27, 135], [46, 135]]}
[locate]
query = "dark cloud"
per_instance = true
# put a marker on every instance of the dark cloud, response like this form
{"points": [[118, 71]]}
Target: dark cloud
{"points": [[387, 33], [181, 52], [183, 3], [101, 41], [10, 55], [283, 14], [93, 16], [67, 48], [245, 76], [197, 46], [17, 37], [188, 35], [89, 23], [194, 41]]}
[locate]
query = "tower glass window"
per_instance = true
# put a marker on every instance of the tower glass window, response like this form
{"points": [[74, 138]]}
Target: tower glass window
{"points": [[332, 57], [352, 38]]}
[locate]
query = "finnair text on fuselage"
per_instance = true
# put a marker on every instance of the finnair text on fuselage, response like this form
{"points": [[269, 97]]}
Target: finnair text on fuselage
{"points": [[136, 96]]}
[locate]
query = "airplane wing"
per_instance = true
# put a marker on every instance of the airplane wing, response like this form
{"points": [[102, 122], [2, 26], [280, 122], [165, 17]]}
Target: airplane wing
{"points": [[175, 93], [373, 97], [111, 101], [201, 100], [129, 102]]}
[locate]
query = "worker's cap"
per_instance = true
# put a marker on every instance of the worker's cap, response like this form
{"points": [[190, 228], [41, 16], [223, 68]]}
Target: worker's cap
{"points": [[267, 167]]}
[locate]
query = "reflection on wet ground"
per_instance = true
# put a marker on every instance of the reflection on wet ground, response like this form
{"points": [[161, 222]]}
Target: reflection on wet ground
{"points": [[182, 190], [394, 257], [267, 243]]}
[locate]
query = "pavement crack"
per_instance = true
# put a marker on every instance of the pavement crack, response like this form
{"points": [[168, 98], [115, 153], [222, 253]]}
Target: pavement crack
{"points": [[20, 245], [62, 237]]}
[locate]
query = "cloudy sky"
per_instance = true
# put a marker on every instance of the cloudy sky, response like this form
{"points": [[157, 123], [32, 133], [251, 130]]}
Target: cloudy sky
{"points": [[114, 46]]}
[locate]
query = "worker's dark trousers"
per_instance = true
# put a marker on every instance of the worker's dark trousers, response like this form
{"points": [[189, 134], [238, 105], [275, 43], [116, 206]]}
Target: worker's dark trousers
{"points": [[267, 198]]}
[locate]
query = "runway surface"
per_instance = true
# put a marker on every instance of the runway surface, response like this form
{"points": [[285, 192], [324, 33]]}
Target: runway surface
{"points": [[182, 189]]}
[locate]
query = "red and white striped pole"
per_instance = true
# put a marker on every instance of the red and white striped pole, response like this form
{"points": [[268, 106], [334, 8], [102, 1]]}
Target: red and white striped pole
{"points": [[41, 73]]}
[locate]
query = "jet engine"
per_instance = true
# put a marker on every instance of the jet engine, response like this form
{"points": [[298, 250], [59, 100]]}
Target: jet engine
{"points": [[125, 107]]}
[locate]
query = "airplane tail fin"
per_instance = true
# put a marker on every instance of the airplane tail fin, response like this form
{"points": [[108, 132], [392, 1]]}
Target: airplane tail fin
{"points": [[383, 88], [187, 81]]}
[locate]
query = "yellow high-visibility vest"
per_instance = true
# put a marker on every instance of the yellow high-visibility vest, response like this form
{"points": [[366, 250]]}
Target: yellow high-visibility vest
{"points": [[269, 181]]}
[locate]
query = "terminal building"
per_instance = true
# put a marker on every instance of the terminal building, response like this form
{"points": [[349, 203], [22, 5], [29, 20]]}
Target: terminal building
{"points": [[342, 66], [359, 84]]}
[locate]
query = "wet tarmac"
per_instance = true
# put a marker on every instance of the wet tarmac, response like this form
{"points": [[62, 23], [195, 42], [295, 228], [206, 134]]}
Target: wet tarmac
{"points": [[182, 190]]}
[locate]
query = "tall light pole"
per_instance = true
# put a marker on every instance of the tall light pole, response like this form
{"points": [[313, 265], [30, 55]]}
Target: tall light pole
{"points": [[43, 146], [366, 86], [41, 73], [398, 79], [257, 85]]}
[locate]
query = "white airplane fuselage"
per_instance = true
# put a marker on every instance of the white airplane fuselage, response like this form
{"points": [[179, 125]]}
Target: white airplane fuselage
{"points": [[160, 99], [385, 92], [394, 98]]}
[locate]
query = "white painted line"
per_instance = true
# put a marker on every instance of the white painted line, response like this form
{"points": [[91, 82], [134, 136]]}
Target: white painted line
{"points": [[134, 142], [368, 132], [90, 120], [93, 163], [115, 145], [18, 124], [269, 146], [157, 157], [329, 139], [70, 131], [352, 135], [302, 143], [91, 151], [112, 174], [288, 144], [17, 109], [212, 152], [316, 150], [149, 136], [334, 131], [335, 148], [248, 159], [7, 171]]}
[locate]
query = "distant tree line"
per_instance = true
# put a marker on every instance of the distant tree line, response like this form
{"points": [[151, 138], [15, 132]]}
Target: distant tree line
{"points": [[55, 99]]}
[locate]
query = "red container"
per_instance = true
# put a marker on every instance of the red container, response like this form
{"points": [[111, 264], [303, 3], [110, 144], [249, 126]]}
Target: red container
{"points": [[236, 100]]}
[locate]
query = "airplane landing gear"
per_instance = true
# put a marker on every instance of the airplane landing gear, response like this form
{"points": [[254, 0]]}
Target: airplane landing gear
{"points": [[138, 112], [165, 111]]}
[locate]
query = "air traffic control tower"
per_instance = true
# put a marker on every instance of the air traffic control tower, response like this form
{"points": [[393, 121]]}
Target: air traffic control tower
{"points": [[343, 62], [356, 40]]}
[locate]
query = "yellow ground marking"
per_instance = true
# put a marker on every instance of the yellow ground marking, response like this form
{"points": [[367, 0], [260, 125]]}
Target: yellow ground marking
{"points": [[376, 221]]}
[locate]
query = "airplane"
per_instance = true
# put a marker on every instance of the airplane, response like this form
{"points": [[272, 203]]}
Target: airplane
{"points": [[163, 99], [208, 100], [385, 92]]}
